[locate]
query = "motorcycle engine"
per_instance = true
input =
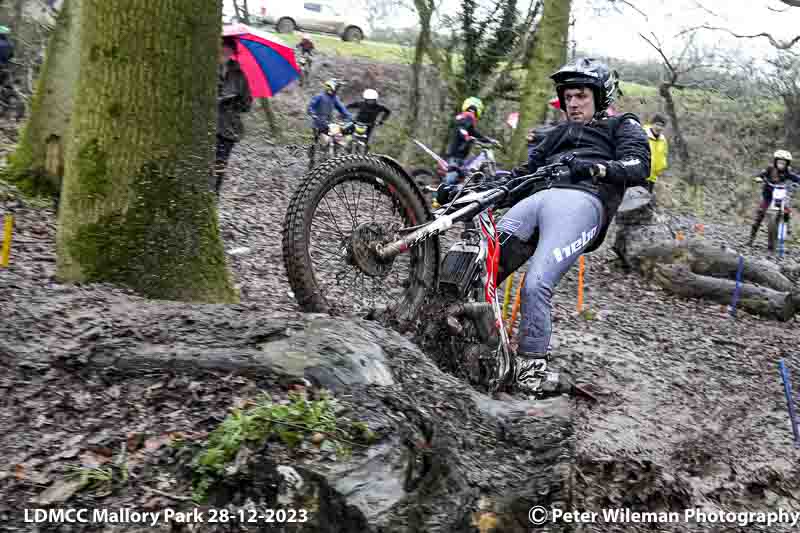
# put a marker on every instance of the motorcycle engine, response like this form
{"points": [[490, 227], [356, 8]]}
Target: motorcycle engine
{"points": [[459, 269]]}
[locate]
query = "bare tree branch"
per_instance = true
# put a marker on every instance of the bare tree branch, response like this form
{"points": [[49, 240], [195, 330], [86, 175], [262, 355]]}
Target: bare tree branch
{"points": [[660, 51], [704, 8], [780, 45], [630, 5]]}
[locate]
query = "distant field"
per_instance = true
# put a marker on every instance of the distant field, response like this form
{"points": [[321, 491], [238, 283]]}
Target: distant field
{"points": [[331, 44]]}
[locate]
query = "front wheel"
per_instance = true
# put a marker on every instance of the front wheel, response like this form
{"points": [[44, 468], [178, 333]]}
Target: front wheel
{"points": [[340, 212], [772, 230]]}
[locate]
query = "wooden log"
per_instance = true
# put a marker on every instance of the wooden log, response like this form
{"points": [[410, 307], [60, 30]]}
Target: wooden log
{"points": [[708, 259], [679, 279]]}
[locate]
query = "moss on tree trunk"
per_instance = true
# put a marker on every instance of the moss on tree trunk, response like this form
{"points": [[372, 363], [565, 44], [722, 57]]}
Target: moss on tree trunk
{"points": [[549, 52], [51, 108], [136, 206]]}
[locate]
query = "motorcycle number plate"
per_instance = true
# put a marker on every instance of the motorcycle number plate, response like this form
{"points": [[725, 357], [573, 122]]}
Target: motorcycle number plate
{"points": [[779, 194]]}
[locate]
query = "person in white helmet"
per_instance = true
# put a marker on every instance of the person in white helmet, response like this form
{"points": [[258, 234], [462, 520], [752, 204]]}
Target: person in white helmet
{"points": [[369, 111], [777, 172]]}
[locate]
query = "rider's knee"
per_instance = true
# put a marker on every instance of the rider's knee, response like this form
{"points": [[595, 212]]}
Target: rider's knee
{"points": [[537, 289]]}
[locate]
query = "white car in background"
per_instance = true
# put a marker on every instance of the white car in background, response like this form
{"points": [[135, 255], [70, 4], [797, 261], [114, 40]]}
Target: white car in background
{"points": [[346, 21]]}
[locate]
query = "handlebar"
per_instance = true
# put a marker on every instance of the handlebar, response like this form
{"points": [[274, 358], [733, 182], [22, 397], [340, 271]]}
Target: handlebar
{"points": [[512, 187], [485, 144]]}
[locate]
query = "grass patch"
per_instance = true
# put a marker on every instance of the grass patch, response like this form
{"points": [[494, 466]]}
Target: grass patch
{"points": [[99, 480], [300, 420], [334, 45]]}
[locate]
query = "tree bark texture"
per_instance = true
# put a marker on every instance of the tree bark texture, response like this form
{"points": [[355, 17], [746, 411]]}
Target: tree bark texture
{"points": [[548, 54], [136, 204], [46, 128]]}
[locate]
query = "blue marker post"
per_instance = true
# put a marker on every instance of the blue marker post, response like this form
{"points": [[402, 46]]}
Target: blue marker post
{"points": [[738, 288], [787, 389]]}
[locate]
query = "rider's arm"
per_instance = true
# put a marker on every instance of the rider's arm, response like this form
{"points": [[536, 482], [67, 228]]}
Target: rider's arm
{"points": [[341, 109], [794, 177], [631, 165], [478, 135], [536, 157], [386, 112], [312, 105], [353, 105]]}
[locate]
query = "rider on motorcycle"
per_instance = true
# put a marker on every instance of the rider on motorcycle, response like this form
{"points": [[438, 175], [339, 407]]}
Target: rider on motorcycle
{"points": [[368, 111], [322, 106], [778, 172], [462, 137], [306, 46], [554, 226]]}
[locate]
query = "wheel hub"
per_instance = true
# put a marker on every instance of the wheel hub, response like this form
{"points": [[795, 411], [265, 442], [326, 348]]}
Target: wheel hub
{"points": [[362, 249]]}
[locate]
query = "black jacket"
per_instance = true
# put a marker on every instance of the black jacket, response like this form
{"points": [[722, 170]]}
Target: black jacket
{"points": [[233, 99], [368, 114], [459, 144], [773, 175], [619, 142]]}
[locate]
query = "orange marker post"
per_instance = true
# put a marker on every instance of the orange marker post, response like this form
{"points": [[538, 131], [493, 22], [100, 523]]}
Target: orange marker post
{"points": [[516, 304], [581, 267]]}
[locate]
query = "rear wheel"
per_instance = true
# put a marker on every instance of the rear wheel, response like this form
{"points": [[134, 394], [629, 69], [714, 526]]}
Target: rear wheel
{"points": [[341, 210], [285, 25], [353, 34]]}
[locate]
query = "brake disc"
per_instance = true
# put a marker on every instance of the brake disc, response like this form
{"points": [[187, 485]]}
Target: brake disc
{"points": [[363, 241]]}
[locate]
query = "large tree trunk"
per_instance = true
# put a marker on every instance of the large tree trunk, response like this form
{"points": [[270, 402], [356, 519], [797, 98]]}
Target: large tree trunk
{"points": [[136, 206], [549, 53], [38, 162], [415, 91]]}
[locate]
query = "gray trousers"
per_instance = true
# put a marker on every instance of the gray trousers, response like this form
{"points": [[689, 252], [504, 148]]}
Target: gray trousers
{"points": [[550, 228]]}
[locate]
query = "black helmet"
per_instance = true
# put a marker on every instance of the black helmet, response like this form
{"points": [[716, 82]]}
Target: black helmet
{"points": [[588, 72]]}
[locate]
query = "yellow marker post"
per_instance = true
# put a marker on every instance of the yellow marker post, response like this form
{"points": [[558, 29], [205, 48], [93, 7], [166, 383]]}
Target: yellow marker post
{"points": [[507, 296], [516, 305], [7, 240], [581, 266]]}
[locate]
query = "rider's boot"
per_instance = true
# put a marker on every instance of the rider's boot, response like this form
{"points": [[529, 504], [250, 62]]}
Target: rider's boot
{"points": [[533, 377]]}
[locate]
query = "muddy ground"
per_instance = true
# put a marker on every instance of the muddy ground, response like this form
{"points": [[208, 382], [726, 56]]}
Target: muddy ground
{"points": [[693, 413]]}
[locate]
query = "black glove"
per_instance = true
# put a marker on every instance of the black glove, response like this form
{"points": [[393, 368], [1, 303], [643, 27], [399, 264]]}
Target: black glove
{"points": [[445, 192], [583, 169]]}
